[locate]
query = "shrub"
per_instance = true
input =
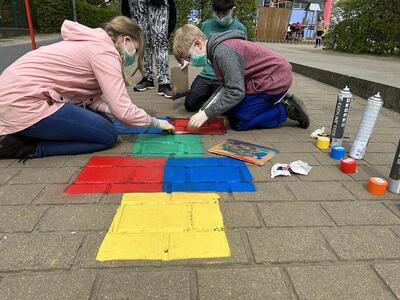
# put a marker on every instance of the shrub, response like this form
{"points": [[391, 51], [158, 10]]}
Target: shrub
{"points": [[48, 15], [365, 26]]}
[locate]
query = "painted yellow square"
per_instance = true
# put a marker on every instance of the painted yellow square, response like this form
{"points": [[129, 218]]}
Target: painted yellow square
{"points": [[166, 227], [153, 218], [195, 244]]}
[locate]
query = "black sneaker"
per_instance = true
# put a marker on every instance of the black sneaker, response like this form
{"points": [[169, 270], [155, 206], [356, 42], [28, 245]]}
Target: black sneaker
{"points": [[295, 110], [16, 146], [144, 85], [165, 90]]}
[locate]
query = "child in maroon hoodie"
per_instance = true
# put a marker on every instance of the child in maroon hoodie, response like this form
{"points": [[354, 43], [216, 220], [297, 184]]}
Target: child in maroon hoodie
{"points": [[255, 80]]}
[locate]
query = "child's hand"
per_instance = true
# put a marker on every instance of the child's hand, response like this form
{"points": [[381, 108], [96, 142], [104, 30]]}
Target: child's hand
{"points": [[163, 125], [198, 119]]}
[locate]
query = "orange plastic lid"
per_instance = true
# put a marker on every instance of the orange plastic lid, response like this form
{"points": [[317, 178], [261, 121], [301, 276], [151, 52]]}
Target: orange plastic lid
{"points": [[377, 186]]}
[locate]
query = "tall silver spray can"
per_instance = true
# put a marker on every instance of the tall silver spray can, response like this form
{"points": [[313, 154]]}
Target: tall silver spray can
{"points": [[394, 177], [368, 121], [340, 117]]}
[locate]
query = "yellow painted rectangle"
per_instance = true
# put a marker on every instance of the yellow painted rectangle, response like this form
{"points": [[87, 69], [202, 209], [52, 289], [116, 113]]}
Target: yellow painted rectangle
{"points": [[166, 227]]}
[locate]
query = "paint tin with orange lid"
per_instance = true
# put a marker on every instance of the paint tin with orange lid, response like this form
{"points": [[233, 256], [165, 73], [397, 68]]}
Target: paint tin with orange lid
{"points": [[377, 186]]}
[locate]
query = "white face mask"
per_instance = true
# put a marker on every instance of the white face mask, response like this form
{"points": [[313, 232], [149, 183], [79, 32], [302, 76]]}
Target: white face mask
{"points": [[129, 56]]}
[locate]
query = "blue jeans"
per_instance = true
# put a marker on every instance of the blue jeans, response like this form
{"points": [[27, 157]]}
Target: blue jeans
{"points": [[257, 111], [71, 130]]}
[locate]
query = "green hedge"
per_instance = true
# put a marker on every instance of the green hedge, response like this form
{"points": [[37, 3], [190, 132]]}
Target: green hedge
{"points": [[365, 26], [48, 15]]}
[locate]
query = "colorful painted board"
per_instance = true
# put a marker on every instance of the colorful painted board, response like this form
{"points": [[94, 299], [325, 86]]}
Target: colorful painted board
{"points": [[161, 226], [248, 152], [213, 126], [113, 174], [167, 145]]}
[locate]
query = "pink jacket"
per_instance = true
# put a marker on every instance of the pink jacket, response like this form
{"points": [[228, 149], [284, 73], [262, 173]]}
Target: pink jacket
{"points": [[78, 70]]}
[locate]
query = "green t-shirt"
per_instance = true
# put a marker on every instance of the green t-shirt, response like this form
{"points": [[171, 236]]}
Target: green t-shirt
{"points": [[209, 27]]}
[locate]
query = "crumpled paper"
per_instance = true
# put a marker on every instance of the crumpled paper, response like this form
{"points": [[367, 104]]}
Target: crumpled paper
{"points": [[318, 132], [297, 167]]}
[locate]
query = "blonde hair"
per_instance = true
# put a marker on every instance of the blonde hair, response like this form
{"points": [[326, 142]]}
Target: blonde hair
{"points": [[123, 26], [184, 38]]}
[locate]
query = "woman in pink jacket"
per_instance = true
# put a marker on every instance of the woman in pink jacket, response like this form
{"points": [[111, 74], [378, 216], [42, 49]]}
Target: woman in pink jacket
{"points": [[50, 98]]}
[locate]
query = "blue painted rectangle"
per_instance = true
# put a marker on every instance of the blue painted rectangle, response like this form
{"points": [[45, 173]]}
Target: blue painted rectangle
{"points": [[122, 129], [207, 175]]}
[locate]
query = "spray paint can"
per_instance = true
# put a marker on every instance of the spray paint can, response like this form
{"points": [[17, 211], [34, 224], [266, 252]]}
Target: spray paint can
{"points": [[340, 117], [366, 127], [394, 177]]}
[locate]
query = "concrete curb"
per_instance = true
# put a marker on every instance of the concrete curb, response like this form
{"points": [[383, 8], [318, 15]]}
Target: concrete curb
{"points": [[361, 87]]}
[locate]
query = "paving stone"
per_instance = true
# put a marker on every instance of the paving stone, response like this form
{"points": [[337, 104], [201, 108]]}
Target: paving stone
{"points": [[325, 160], [78, 160], [382, 148], [366, 172], [363, 243], [7, 173], [289, 157], [291, 214], [4, 163], [361, 213], [239, 215], [78, 217], [359, 189], [394, 207], [385, 138], [66, 285], [380, 159], [288, 245], [111, 198], [144, 285], [390, 273], [238, 254], [55, 194], [296, 147], [20, 218], [321, 191], [38, 251], [337, 282], [44, 175], [325, 173], [86, 257], [19, 193], [387, 130], [242, 284], [120, 148], [266, 192], [44, 162]]}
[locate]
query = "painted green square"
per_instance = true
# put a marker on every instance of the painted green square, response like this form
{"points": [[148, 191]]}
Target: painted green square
{"points": [[154, 145]]}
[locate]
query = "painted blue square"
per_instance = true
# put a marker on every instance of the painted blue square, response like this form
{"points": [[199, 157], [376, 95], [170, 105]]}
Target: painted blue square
{"points": [[217, 174], [175, 174], [122, 129], [207, 174]]}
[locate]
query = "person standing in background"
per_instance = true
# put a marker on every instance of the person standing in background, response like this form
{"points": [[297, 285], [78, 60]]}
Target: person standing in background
{"points": [[154, 18], [320, 28]]}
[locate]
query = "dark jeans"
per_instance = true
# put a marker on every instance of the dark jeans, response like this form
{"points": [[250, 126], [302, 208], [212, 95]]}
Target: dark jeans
{"points": [[72, 130], [257, 111], [201, 90]]}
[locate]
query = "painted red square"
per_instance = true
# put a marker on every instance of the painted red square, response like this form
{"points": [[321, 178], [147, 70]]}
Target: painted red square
{"points": [[213, 126], [112, 174]]}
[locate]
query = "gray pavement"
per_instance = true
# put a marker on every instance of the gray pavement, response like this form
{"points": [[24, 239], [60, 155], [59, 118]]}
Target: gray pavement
{"points": [[321, 236], [12, 49], [364, 74]]}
